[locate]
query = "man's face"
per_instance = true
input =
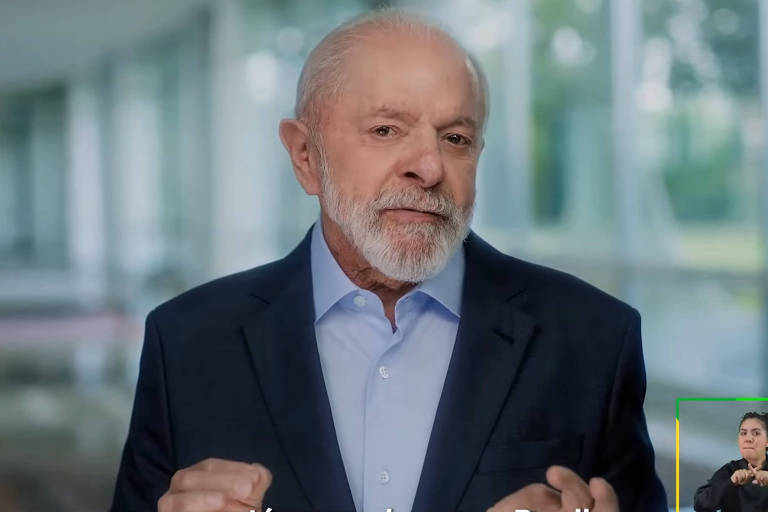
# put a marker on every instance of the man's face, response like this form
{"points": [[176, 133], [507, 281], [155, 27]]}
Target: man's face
{"points": [[400, 150], [752, 439]]}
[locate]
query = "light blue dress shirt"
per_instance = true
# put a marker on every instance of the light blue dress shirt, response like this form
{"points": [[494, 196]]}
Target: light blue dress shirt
{"points": [[383, 387]]}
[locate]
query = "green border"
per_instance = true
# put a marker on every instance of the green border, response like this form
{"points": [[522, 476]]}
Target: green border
{"points": [[713, 399]]}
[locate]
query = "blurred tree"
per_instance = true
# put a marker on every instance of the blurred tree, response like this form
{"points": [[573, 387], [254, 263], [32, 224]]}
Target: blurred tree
{"points": [[725, 31], [570, 69], [714, 54]]}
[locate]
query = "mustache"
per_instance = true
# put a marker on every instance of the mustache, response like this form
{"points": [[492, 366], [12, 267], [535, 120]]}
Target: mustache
{"points": [[416, 198]]}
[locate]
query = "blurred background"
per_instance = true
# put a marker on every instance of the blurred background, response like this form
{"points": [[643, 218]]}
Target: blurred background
{"points": [[139, 157]]}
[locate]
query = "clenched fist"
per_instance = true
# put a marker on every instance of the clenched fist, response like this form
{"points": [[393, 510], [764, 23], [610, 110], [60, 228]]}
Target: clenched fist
{"points": [[217, 485], [570, 493]]}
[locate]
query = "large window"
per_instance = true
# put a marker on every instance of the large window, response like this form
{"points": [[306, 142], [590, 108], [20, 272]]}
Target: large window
{"points": [[701, 147], [32, 179]]}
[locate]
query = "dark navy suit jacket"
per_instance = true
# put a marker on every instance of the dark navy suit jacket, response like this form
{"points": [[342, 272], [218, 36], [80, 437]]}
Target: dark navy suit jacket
{"points": [[545, 370]]}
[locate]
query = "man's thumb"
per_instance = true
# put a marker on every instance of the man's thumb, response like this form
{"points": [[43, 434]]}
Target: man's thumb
{"points": [[604, 496], [262, 482]]}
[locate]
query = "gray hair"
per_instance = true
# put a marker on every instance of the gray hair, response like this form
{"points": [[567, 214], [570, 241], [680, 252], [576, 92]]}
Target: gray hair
{"points": [[322, 75]]}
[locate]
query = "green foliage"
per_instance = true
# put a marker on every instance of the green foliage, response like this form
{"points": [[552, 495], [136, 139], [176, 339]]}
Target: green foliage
{"points": [[714, 46], [559, 87], [726, 30]]}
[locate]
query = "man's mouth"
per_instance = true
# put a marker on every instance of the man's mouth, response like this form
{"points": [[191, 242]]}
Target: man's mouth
{"points": [[414, 213]]}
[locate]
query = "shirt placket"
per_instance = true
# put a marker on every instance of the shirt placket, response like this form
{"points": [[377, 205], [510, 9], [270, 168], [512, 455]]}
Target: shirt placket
{"points": [[382, 417]]}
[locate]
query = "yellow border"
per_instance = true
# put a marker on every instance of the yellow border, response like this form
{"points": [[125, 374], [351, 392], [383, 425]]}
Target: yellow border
{"points": [[677, 465]]}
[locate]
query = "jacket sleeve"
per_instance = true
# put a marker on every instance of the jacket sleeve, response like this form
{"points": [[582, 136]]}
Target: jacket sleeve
{"points": [[712, 495], [148, 461], [627, 461]]}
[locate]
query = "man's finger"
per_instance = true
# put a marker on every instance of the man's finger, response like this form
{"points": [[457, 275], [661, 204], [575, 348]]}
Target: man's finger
{"points": [[242, 486], [214, 465], [239, 486], [192, 501], [575, 491], [605, 498], [261, 485], [536, 497], [237, 506], [261, 477]]}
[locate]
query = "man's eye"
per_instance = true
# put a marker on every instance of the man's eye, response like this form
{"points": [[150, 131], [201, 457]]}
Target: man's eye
{"points": [[383, 131], [458, 140]]}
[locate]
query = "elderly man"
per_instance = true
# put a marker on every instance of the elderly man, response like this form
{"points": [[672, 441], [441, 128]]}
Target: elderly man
{"points": [[394, 360]]}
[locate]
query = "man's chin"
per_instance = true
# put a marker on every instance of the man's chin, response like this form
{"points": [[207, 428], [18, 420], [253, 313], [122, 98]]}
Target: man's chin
{"points": [[407, 244], [424, 240], [399, 229]]}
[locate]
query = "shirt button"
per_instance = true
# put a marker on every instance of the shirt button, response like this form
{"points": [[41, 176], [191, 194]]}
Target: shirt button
{"points": [[384, 372], [383, 477], [359, 301]]}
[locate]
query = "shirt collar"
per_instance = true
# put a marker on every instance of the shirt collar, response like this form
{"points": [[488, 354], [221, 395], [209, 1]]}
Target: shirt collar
{"points": [[330, 284]]}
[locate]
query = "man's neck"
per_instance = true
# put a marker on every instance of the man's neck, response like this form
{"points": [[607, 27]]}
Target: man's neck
{"points": [[360, 272]]}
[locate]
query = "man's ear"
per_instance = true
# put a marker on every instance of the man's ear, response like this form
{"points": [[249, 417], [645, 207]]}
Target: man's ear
{"points": [[295, 137]]}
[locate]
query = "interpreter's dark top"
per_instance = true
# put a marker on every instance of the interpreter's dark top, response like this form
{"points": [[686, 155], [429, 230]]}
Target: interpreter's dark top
{"points": [[719, 493]]}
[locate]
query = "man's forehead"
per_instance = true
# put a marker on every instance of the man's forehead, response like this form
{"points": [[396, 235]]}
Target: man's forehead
{"points": [[390, 63], [411, 113], [410, 92], [386, 57]]}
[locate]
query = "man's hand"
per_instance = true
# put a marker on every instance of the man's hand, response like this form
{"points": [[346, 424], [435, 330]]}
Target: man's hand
{"points": [[217, 485], [570, 492], [742, 476]]}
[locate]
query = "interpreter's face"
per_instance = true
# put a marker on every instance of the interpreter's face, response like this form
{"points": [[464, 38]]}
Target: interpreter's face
{"points": [[401, 149], [753, 439]]}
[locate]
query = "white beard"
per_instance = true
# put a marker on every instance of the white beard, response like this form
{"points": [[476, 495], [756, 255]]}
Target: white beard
{"points": [[409, 252]]}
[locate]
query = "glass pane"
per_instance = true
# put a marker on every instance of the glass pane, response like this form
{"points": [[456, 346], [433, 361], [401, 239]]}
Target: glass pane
{"points": [[570, 120], [701, 130], [701, 137], [33, 177]]}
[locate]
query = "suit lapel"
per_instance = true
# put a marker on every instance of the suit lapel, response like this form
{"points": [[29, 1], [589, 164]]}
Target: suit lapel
{"points": [[281, 339], [490, 345]]}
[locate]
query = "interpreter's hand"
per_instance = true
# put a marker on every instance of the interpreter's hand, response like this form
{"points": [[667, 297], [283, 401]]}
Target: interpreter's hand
{"points": [[742, 476], [217, 485], [570, 492], [759, 476]]}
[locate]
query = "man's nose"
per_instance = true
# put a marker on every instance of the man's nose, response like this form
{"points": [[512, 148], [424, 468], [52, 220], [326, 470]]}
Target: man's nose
{"points": [[426, 165]]}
